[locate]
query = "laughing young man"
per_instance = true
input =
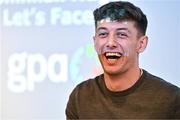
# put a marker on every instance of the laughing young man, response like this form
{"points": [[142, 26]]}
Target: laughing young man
{"points": [[123, 91]]}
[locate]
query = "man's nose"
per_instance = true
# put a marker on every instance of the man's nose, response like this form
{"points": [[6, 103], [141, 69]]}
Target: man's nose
{"points": [[111, 43]]}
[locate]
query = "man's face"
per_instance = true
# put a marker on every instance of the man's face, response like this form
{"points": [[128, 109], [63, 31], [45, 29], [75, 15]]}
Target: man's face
{"points": [[117, 45]]}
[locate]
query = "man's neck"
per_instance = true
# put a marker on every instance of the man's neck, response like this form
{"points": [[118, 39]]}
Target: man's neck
{"points": [[122, 81]]}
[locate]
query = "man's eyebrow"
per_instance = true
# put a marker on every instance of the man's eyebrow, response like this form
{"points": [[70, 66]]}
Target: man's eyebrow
{"points": [[101, 28], [126, 29], [104, 28]]}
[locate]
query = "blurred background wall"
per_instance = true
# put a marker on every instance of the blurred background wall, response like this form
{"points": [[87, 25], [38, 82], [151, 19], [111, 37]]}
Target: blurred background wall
{"points": [[46, 49]]}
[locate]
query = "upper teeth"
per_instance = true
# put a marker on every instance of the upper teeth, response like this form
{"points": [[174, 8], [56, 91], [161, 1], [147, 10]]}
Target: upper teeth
{"points": [[113, 54]]}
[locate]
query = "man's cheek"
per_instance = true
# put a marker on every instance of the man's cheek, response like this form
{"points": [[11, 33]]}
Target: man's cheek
{"points": [[99, 47]]}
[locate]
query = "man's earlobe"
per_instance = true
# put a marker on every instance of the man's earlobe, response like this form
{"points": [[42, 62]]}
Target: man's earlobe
{"points": [[94, 38], [142, 44]]}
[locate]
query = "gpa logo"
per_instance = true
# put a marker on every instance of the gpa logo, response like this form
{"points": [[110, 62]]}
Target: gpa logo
{"points": [[26, 69], [84, 64]]}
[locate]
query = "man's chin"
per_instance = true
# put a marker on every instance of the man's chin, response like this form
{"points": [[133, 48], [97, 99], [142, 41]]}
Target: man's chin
{"points": [[112, 72]]}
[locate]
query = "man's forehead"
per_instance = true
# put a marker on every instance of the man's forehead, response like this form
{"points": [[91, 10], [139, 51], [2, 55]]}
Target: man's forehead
{"points": [[109, 20], [107, 23]]}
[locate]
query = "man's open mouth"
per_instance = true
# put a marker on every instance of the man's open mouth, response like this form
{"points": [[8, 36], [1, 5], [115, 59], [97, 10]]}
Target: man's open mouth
{"points": [[113, 55]]}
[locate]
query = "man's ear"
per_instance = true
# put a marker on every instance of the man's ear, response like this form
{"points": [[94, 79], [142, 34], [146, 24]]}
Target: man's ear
{"points": [[142, 44], [94, 38]]}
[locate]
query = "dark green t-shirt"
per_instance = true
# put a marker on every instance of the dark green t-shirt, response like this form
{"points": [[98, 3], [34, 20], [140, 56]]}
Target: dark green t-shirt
{"points": [[150, 97]]}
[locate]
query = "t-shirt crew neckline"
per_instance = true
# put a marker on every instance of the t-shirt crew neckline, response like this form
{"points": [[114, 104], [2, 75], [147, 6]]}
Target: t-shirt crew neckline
{"points": [[124, 92]]}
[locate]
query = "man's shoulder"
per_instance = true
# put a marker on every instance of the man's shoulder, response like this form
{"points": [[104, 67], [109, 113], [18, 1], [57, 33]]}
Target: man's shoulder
{"points": [[89, 82], [160, 83], [88, 85]]}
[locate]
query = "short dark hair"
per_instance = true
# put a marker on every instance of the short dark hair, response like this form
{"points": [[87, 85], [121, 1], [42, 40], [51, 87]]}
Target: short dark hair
{"points": [[121, 10]]}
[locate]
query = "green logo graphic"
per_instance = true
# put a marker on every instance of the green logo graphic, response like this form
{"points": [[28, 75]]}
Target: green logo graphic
{"points": [[84, 64]]}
